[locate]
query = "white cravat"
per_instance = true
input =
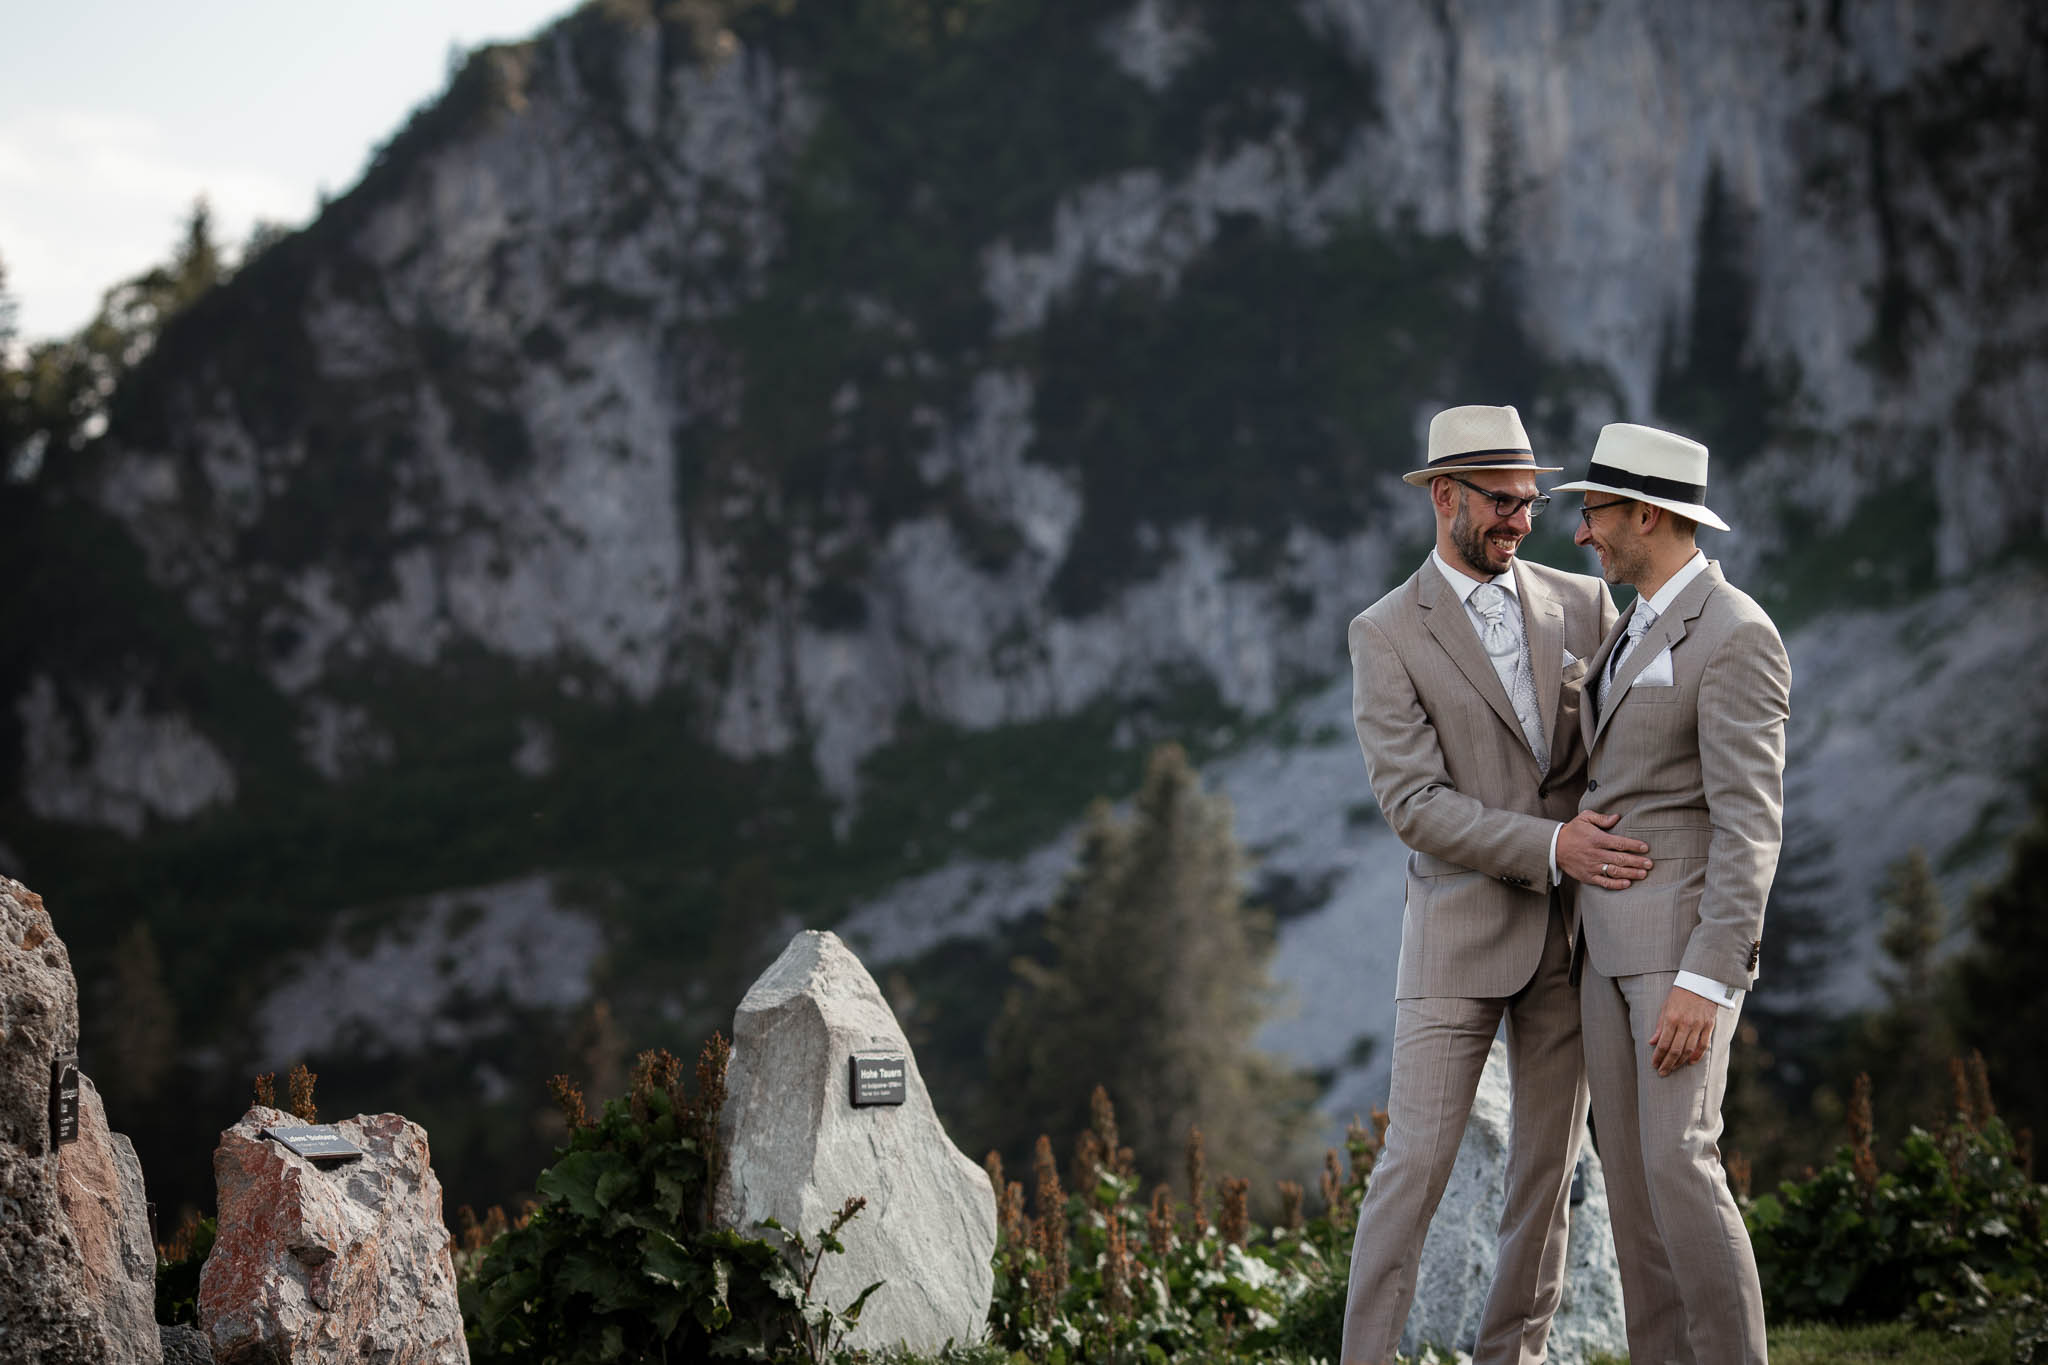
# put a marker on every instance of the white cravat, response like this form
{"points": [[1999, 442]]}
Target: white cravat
{"points": [[1508, 648]]}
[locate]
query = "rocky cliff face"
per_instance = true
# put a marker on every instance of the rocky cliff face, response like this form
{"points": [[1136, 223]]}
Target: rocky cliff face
{"points": [[682, 399], [514, 385]]}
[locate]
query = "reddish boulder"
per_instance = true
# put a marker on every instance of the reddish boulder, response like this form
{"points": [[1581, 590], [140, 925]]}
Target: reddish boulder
{"points": [[67, 1215], [100, 1187], [330, 1261]]}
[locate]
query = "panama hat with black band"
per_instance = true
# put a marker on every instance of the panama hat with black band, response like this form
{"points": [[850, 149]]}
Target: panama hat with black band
{"points": [[1647, 465], [1475, 437]]}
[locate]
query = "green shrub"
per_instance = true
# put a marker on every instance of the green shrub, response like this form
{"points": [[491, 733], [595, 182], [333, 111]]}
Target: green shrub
{"points": [[621, 1261], [1951, 1235], [178, 1264]]}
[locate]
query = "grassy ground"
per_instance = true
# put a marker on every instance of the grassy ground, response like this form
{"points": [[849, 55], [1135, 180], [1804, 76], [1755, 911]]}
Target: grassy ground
{"points": [[1810, 1343]]}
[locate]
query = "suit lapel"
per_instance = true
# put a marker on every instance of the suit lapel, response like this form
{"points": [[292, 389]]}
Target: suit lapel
{"points": [[1665, 632], [1543, 628], [1448, 621]]}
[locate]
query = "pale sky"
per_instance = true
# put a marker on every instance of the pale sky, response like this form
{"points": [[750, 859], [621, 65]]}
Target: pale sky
{"points": [[116, 114]]}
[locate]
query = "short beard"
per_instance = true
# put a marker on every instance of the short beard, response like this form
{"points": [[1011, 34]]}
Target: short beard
{"points": [[1470, 541], [1627, 563]]}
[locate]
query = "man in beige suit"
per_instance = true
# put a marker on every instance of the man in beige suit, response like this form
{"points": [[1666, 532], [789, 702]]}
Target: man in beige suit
{"points": [[1684, 730], [1466, 686]]}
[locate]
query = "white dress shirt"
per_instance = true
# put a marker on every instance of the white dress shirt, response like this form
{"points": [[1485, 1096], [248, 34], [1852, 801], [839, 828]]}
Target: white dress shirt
{"points": [[1658, 672], [1463, 584]]}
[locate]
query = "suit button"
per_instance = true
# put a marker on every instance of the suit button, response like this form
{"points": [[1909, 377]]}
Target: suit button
{"points": [[1592, 786]]}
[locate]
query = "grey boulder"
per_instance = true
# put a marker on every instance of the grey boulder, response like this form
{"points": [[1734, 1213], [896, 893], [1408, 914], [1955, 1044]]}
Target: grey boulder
{"points": [[797, 1149], [1458, 1255]]}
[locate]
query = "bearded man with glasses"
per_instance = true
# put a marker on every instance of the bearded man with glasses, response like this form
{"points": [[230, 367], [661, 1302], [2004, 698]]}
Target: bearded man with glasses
{"points": [[1466, 690]]}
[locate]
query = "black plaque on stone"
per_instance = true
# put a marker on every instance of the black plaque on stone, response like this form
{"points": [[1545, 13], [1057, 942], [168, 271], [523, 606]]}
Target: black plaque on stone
{"points": [[315, 1142], [880, 1078], [63, 1099]]}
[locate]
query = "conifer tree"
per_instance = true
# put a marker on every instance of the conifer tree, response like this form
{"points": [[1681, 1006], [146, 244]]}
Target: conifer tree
{"points": [[1914, 1037], [1155, 983], [2004, 1007]]}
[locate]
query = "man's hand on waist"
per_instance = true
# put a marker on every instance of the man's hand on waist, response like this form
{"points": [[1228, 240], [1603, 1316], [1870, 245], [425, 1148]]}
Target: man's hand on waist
{"points": [[1591, 856]]}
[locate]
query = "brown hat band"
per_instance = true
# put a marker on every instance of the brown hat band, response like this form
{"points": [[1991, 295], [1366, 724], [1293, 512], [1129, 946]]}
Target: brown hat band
{"points": [[1466, 457]]}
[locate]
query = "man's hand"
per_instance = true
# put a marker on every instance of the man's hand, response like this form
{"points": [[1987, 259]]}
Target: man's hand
{"points": [[1683, 1030], [1590, 856]]}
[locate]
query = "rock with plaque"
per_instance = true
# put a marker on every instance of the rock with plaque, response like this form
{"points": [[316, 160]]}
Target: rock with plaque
{"points": [[77, 1270], [824, 1102], [331, 1246]]}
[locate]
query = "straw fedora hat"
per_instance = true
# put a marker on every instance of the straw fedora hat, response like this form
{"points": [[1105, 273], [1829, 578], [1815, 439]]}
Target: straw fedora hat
{"points": [[1477, 437], [1648, 465]]}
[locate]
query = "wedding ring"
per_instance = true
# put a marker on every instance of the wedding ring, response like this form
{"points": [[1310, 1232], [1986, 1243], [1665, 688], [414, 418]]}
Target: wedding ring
{"points": [[1603, 869]]}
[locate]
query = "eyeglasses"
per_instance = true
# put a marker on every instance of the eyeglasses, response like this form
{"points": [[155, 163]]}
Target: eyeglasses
{"points": [[1506, 505], [1586, 512]]}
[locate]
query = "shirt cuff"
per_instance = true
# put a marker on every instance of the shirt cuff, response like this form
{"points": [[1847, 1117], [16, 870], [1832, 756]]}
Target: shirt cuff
{"points": [[1556, 877], [1708, 988]]}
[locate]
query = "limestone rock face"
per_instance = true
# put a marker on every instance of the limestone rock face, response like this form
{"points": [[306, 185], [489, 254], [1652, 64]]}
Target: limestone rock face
{"points": [[46, 1299], [1458, 1254], [330, 1263], [797, 1149], [104, 1201]]}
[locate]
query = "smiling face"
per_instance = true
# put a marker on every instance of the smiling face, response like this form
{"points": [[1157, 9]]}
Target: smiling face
{"points": [[1616, 536], [1471, 533]]}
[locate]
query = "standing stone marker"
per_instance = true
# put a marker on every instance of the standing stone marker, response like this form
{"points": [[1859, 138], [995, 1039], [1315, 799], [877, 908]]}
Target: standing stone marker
{"points": [[797, 1148], [76, 1267], [1458, 1255], [108, 1208], [330, 1263]]}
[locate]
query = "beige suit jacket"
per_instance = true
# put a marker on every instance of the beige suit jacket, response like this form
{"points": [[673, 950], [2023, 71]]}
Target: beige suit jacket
{"points": [[1696, 771], [1456, 779]]}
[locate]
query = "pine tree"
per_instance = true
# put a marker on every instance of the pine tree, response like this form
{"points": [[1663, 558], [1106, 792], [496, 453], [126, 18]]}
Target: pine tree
{"points": [[1914, 1037], [1714, 387], [2003, 1006], [1156, 982], [141, 1021], [1504, 366]]}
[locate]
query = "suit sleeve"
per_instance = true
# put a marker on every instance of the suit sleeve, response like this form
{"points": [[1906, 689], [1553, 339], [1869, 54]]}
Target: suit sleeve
{"points": [[1413, 786], [1745, 698]]}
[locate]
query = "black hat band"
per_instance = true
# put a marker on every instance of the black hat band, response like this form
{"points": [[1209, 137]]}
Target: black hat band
{"points": [[1647, 483]]}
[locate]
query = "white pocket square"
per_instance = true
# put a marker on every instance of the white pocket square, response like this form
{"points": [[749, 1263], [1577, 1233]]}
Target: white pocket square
{"points": [[1569, 659], [1657, 673]]}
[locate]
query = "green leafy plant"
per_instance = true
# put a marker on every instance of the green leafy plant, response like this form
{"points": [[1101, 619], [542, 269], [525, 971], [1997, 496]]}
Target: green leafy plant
{"points": [[620, 1260], [1951, 1234], [178, 1263], [822, 1328]]}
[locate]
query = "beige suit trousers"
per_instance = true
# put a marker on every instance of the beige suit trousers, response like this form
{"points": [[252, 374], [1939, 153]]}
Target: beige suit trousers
{"points": [[1688, 1276], [1440, 1047]]}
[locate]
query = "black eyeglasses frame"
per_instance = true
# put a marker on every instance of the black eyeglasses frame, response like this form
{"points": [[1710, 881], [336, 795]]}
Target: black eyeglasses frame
{"points": [[1506, 505]]}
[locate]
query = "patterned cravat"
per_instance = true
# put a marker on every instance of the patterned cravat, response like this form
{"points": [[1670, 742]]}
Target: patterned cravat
{"points": [[1638, 626], [1503, 640]]}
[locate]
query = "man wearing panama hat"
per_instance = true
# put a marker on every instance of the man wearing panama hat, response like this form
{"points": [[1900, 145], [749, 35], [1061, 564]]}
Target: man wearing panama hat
{"points": [[1466, 693], [1684, 729]]}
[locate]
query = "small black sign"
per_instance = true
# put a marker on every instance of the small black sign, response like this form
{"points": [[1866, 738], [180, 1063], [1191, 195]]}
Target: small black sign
{"points": [[63, 1099], [315, 1142], [880, 1079]]}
